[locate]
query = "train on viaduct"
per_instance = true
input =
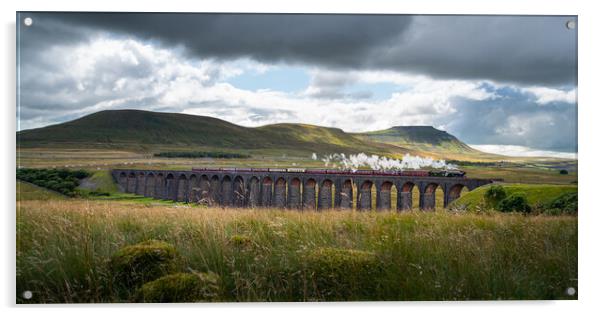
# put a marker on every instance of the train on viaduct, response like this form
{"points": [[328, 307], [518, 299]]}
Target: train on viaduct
{"points": [[301, 189]]}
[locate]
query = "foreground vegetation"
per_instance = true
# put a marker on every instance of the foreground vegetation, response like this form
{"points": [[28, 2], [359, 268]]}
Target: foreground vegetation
{"points": [[65, 249], [64, 181], [540, 198]]}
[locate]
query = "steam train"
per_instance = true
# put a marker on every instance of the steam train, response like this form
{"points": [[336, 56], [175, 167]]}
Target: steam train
{"points": [[404, 173]]}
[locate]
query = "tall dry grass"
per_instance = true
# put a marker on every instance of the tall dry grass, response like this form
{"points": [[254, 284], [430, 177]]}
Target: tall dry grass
{"points": [[63, 248]]}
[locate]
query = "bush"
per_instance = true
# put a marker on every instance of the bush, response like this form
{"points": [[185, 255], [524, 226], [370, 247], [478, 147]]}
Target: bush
{"points": [[137, 264], [494, 195], [563, 171], [342, 274], [61, 180], [181, 287], [564, 204], [240, 241], [515, 203]]}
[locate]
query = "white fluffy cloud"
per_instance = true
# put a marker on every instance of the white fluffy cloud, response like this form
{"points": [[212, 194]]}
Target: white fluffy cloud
{"points": [[109, 73], [522, 151], [544, 95]]}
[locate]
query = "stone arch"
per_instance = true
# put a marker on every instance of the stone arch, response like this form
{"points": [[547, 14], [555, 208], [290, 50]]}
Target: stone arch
{"points": [[239, 192], [294, 193], [193, 189], [404, 196], [226, 191], [280, 193], [452, 193], [254, 192], [149, 190], [364, 196], [170, 187], [428, 197], [214, 191], [325, 200], [347, 194], [266, 191], [140, 183], [123, 181], [131, 183], [384, 196], [160, 186], [309, 194], [182, 188]]}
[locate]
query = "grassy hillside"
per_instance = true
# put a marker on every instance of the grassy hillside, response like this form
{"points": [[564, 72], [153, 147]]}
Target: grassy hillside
{"points": [[144, 130], [27, 191], [427, 139], [535, 193]]}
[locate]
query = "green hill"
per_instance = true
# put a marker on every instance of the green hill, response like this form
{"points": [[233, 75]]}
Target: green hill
{"points": [[535, 193], [135, 129], [422, 138]]}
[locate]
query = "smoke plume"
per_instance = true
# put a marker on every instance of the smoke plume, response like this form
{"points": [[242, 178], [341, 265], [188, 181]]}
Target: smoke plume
{"points": [[375, 162]]}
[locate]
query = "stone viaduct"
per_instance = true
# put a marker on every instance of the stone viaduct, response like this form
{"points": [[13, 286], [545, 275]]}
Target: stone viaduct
{"points": [[290, 189]]}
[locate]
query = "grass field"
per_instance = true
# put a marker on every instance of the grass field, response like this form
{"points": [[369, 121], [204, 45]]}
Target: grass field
{"points": [[63, 247]]}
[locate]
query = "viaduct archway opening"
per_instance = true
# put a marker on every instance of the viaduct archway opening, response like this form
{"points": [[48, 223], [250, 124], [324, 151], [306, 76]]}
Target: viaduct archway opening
{"points": [[182, 189], [266, 192], [194, 195], [365, 196], [131, 183], [280, 193], [214, 191], [294, 193], [453, 193], [123, 181], [254, 192], [149, 190], [140, 183], [160, 186], [384, 196], [226, 195], [326, 190], [239, 192], [309, 194], [347, 194]]}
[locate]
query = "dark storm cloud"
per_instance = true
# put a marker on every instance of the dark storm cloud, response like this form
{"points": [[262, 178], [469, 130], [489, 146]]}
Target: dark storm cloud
{"points": [[525, 50], [514, 119]]}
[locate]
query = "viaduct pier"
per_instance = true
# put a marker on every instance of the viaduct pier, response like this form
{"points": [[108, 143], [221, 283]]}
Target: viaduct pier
{"points": [[289, 189]]}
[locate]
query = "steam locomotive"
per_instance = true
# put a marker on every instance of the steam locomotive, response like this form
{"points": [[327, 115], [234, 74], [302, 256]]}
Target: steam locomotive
{"points": [[404, 173]]}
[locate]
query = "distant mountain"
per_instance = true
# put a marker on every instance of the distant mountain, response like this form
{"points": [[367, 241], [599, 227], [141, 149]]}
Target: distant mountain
{"points": [[152, 131], [135, 128], [420, 138]]}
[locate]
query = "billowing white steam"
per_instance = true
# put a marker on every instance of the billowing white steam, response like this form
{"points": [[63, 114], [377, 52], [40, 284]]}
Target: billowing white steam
{"points": [[354, 162]]}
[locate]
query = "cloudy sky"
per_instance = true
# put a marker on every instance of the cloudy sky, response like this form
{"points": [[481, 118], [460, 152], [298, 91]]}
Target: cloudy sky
{"points": [[502, 84]]}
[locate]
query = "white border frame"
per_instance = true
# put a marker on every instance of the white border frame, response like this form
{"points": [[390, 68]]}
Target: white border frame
{"points": [[589, 127]]}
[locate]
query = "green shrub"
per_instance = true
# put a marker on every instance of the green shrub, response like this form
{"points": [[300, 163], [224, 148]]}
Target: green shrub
{"points": [[137, 264], [341, 274], [564, 204], [494, 195], [181, 287], [515, 203], [563, 171], [61, 180], [240, 241]]}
